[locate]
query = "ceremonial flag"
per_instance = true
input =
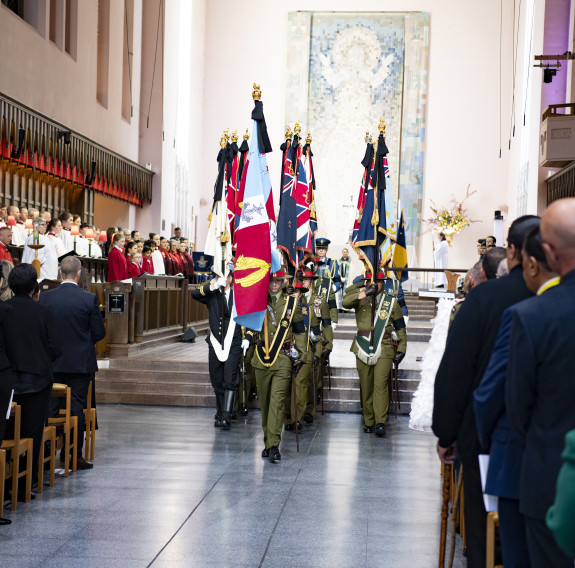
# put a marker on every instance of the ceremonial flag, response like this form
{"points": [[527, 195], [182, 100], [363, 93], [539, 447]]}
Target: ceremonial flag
{"points": [[256, 237], [310, 173], [367, 163], [232, 201], [218, 239], [303, 202], [400, 252], [287, 216], [243, 150]]}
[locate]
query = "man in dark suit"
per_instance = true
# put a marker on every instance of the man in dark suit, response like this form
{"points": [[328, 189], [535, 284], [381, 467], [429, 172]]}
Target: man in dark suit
{"points": [[225, 344], [32, 345], [80, 323], [469, 343], [496, 435], [540, 393]]}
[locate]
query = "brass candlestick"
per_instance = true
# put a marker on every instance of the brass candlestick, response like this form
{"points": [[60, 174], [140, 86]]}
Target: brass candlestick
{"points": [[36, 262]]}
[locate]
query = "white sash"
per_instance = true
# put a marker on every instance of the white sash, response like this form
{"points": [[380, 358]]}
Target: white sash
{"points": [[222, 354]]}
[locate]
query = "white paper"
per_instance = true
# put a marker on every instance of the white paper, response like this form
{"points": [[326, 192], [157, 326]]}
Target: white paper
{"points": [[490, 501], [10, 406]]}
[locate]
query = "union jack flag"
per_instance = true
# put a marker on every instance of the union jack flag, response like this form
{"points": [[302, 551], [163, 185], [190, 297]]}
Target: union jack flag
{"points": [[287, 217]]}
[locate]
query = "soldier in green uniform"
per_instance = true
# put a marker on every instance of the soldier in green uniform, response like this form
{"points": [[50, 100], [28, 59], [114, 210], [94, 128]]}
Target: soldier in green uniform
{"points": [[313, 336], [274, 368], [374, 361]]}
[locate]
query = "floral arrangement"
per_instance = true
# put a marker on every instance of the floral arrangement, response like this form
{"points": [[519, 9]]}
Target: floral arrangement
{"points": [[452, 219]]}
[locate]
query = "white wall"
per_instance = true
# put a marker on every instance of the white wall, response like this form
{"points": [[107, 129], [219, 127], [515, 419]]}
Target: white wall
{"points": [[246, 42]]}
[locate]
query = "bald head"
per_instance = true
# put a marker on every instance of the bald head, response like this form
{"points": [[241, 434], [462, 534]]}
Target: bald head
{"points": [[558, 235]]}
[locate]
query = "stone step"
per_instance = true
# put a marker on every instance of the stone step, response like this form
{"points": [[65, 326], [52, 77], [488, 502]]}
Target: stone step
{"points": [[137, 364]]}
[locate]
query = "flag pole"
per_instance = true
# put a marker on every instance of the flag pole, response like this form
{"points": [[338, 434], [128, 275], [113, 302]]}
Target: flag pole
{"points": [[224, 238]]}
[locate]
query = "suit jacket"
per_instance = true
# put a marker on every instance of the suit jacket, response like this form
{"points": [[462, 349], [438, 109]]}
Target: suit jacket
{"points": [[80, 323], [496, 435], [540, 392], [32, 338], [213, 300], [469, 344]]}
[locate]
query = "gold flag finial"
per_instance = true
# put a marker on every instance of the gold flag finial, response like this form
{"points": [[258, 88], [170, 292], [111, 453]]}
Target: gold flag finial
{"points": [[297, 127], [367, 137], [381, 126], [223, 140], [308, 137], [288, 133], [247, 135], [234, 136], [256, 93]]}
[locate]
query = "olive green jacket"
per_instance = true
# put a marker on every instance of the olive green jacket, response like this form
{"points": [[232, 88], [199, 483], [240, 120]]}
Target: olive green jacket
{"points": [[363, 310]]}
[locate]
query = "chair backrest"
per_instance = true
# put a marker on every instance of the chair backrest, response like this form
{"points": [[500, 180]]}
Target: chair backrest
{"points": [[60, 390]]}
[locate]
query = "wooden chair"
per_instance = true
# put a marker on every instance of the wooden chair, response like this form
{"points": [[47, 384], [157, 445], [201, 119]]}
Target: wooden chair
{"points": [[492, 530], [2, 480], [49, 435], [66, 427], [18, 447], [90, 414]]}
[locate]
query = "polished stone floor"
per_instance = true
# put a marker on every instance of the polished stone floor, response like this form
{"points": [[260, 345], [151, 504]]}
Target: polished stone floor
{"points": [[169, 491]]}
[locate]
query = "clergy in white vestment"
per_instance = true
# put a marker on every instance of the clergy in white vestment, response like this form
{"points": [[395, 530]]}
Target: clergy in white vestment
{"points": [[441, 255]]}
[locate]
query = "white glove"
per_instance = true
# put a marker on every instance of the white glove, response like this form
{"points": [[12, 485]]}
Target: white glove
{"points": [[312, 336], [333, 325], [245, 346]]}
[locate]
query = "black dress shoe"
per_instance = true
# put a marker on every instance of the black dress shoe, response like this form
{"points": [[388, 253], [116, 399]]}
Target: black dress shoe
{"points": [[266, 453], [289, 427], [217, 421], [368, 429], [308, 418], [253, 394], [225, 424], [275, 455], [299, 426], [243, 411], [380, 430], [83, 464], [4, 521], [234, 416]]}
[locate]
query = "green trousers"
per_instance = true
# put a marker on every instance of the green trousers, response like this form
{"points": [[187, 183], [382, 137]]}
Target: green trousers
{"points": [[250, 379], [301, 394], [374, 391], [273, 384]]}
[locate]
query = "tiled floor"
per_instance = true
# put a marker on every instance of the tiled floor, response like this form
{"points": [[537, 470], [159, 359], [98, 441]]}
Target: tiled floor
{"points": [[168, 490]]}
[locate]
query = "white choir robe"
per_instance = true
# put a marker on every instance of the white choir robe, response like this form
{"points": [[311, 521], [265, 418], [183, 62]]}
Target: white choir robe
{"points": [[19, 235], [46, 256], [58, 245], [83, 248], [158, 262]]}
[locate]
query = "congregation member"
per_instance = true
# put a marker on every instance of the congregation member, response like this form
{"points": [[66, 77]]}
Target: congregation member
{"points": [[5, 269], [224, 344], [540, 390], [79, 321], [469, 344], [46, 255], [561, 515], [117, 264], [490, 241], [496, 435], [7, 380], [5, 240], [274, 370], [30, 328], [374, 367]]}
